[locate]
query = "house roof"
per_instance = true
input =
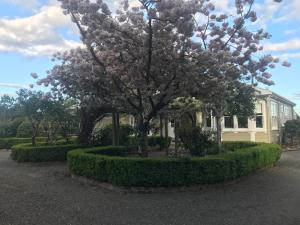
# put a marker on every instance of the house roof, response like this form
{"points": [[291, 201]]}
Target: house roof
{"points": [[275, 96]]}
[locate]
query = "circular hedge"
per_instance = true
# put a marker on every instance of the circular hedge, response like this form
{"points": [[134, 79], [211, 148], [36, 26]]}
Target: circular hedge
{"points": [[110, 164], [42, 152]]}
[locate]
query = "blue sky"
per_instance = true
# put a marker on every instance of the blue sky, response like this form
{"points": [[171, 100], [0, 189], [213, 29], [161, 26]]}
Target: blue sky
{"points": [[31, 31]]}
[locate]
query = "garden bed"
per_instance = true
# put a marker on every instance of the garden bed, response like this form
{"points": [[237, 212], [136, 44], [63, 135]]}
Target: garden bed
{"points": [[112, 165], [42, 152]]}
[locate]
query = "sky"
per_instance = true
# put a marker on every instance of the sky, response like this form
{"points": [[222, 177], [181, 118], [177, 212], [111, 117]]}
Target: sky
{"points": [[32, 30]]}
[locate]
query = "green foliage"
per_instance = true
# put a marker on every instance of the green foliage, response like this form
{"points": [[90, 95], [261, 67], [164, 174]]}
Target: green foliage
{"points": [[24, 130], [243, 104], [103, 137], [197, 141], [9, 128], [42, 152], [153, 141], [108, 164], [292, 128], [7, 143], [236, 145]]}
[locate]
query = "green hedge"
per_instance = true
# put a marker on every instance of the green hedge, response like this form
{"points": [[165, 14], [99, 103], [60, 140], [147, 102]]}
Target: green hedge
{"points": [[106, 165], [236, 145], [7, 143], [41, 152]]}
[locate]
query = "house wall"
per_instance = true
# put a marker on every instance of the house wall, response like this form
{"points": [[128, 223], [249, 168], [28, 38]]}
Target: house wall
{"points": [[236, 136]]}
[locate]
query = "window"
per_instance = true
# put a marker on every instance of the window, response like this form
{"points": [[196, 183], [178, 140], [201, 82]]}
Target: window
{"points": [[287, 112], [208, 121], [274, 113], [259, 120], [259, 116], [132, 121], [228, 122], [243, 122]]}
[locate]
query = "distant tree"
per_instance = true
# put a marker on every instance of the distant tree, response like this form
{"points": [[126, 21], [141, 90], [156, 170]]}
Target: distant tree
{"points": [[34, 105]]}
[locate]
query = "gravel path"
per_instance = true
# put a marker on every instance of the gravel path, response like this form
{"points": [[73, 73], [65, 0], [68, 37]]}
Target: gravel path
{"points": [[38, 194]]}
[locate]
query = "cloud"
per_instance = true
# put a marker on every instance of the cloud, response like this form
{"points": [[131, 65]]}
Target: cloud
{"points": [[10, 85], [37, 35], [287, 56], [290, 11], [291, 32], [292, 44], [266, 12], [221, 4], [29, 4]]}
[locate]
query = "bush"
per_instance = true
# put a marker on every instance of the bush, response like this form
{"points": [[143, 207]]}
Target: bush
{"points": [[152, 141], [24, 130], [9, 128], [197, 141], [292, 129], [236, 145], [108, 164], [103, 137], [42, 152], [7, 143]]}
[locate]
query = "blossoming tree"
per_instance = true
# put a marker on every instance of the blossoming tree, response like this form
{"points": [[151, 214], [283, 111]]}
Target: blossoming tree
{"points": [[148, 55]]}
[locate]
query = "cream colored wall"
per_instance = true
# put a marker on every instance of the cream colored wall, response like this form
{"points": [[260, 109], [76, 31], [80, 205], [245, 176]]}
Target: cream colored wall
{"points": [[246, 136], [236, 136]]}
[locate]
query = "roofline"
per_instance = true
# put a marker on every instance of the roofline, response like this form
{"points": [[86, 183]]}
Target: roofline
{"points": [[275, 96]]}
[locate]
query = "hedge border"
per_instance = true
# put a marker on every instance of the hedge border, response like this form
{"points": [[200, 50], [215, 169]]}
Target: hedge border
{"points": [[42, 152], [105, 164]]}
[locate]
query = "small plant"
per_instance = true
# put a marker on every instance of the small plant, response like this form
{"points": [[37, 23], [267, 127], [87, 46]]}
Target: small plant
{"points": [[103, 136], [197, 141]]}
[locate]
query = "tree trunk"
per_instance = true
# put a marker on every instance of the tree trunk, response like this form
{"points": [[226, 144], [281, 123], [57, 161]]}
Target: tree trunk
{"points": [[33, 141], [34, 133], [143, 128], [87, 124], [115, 129], [118, 128], [166, 135], [219, 133], [114, 133], [161, 132], [33, 138], [176, 136]]}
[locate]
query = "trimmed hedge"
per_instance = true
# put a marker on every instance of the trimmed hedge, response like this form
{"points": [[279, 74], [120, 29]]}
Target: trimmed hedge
{"points": [[236, 145], [106, 164], [42, 152], [7, 143]]}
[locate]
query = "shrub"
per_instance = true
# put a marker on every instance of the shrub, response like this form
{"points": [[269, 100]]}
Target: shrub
{"points": [[197, 141], [152, 141], [292, 129], [9, 128], [236, 145], [41, 153], [103, 137], [24, 130], [108, 164], [7, 143]]}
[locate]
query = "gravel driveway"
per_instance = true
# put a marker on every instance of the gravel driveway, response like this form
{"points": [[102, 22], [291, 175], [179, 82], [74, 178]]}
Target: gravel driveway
{"points": [[37, 194]]}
